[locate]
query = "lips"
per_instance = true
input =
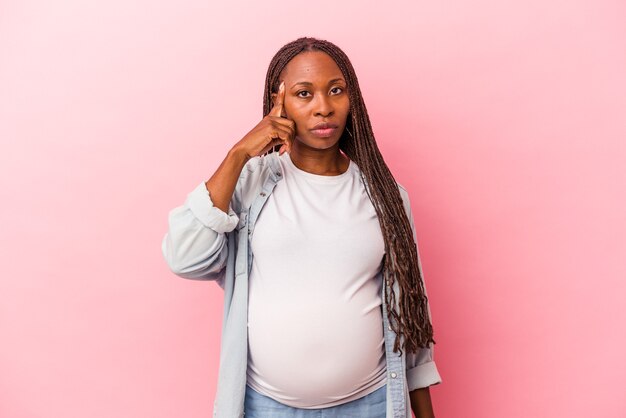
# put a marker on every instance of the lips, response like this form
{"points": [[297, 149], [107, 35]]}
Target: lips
{"points": [[325, 125], [324, 129]]}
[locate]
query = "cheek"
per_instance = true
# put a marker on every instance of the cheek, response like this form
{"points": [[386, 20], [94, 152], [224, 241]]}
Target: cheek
{"points": [[295, 114], [346, 105]]}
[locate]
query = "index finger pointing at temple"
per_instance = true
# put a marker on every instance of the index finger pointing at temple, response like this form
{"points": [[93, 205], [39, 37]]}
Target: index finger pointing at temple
{"points": [[277, 110]]}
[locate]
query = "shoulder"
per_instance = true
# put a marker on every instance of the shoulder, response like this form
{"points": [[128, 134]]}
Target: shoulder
{"points": [[251, 172], [252, 178], [404, 194]]}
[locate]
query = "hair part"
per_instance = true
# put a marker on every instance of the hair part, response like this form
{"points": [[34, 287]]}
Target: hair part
{"points": [[412, 323]]}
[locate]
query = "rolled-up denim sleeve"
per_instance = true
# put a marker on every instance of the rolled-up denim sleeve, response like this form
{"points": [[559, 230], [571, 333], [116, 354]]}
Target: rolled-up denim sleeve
{"points": [[200, 203], [196, 245], [421, 369]]}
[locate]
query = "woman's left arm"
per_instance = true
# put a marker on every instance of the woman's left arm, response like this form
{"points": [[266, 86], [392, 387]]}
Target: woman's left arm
{"points": [[421, 404], [421, 368]]}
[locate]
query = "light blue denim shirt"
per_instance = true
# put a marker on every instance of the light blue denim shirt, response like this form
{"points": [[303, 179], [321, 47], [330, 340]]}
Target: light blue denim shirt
{"points": [[205, 243]]}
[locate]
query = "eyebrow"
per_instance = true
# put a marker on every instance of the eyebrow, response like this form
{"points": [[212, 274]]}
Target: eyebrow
{"points": [[307, 83]]}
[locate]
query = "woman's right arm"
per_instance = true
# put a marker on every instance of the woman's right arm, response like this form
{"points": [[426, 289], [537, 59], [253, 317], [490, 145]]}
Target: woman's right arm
{"points": [[196, 244]]}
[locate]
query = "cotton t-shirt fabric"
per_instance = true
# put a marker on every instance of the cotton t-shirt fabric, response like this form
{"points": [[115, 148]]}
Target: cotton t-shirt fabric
{"points": [[315, 334]]}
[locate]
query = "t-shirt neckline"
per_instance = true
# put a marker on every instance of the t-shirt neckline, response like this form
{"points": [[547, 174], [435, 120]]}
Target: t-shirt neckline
{"points": [[316, 177]]}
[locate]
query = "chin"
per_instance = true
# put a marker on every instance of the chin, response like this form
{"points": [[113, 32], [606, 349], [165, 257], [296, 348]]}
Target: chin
{"points": [[318, 143]]}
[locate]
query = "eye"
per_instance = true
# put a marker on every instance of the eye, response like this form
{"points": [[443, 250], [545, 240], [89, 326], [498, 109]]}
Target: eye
{"points": [[333, 89]]}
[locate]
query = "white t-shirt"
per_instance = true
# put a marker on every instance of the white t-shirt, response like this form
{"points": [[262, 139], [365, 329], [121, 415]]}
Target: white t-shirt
{"points": [[315, 336]]}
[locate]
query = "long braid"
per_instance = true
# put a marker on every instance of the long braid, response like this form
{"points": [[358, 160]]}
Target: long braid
{"points": [[412, 324]]}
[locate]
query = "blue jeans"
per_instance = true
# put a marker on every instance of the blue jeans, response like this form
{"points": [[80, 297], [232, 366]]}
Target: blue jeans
{"points": [[373, 405]]}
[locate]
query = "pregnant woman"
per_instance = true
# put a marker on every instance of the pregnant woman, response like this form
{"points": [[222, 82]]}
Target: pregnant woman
{"points": [[313, 242]]}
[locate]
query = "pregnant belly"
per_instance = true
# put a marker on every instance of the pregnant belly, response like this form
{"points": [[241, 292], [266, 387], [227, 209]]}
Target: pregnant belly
{"points": [[319, 348]]}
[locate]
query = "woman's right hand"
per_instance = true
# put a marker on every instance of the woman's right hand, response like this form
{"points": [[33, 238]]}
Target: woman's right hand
{"points": [[271, 131]]}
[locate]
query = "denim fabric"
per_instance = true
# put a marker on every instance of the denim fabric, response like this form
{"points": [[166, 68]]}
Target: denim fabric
{"points": [[373, 405]]}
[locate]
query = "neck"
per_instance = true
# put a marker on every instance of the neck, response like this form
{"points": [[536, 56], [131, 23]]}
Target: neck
{"points": [[324, 162]]}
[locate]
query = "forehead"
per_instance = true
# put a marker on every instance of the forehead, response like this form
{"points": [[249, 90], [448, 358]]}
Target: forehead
{"points": [[312, 66]]}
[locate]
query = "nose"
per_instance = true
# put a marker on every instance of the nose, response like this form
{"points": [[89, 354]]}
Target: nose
{"points": [[323, 106]]}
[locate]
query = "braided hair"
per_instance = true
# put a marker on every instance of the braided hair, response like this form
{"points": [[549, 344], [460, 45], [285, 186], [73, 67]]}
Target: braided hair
{"points": [[358, 143]]}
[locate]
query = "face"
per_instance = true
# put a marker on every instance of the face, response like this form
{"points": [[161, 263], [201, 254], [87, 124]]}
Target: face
{"points": [[315, 92]]}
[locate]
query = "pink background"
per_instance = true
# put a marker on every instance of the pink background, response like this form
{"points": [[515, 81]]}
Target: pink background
{"points": [[505, 120]]}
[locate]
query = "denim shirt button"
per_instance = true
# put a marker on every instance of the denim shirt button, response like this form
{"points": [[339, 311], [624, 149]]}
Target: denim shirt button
{"points": [[262, 193], [393, 374], [389, 327], [279, 174]]}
